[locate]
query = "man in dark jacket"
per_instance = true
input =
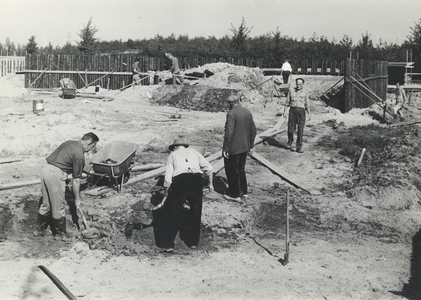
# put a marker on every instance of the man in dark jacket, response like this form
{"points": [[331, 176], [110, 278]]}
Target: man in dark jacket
{"points": [[68, 159], [240, 132]]}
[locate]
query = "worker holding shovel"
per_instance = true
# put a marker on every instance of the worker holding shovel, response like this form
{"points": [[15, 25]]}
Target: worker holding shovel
{"points": [[68, 159], [183, 183], [175, 69]]}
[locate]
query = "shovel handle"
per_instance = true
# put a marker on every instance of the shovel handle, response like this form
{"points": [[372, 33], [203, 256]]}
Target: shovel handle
{"points": [[287, 221]]}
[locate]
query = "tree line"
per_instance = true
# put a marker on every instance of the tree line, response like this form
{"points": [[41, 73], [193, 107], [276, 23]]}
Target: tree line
{"points": [[272, 48]]}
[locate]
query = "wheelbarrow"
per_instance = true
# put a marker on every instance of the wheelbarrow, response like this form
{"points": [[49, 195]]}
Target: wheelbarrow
{"points": [[68, 88], [113, 162]]}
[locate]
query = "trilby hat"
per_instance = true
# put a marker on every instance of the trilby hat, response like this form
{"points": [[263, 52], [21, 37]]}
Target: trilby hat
{"points": [[178, 142]]}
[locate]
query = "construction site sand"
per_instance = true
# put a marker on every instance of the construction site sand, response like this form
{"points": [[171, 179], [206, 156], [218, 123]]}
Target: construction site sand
{"points": [[336, 264]]}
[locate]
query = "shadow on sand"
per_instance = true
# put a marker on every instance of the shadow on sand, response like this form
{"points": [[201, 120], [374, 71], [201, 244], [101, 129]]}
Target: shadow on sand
{"points": [[412, 290]]}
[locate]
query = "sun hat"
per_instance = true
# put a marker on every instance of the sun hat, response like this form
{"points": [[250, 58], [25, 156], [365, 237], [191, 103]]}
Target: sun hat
{"points": [[178, 142], [300, 79]]}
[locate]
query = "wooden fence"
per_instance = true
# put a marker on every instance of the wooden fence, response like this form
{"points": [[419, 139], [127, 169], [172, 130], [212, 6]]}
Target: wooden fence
{"points": [[11, 64], [365, 83], [114, 71]]}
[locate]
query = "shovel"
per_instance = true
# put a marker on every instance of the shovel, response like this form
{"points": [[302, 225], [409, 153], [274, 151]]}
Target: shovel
{"points": [[89, 233]]}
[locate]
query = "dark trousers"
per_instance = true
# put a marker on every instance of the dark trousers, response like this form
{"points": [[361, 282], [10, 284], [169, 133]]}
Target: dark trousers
{"points": [[285, 76], [235, 170], [296, 117], [185, 187]]}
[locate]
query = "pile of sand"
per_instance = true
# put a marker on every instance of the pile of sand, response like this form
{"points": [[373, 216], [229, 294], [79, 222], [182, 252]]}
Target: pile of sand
{"points": [[11, 88]]}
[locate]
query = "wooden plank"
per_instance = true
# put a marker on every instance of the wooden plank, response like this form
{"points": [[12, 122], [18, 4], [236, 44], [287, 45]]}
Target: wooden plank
{"points": [[219, 165], [146, 167], [13, 185], [146, 175], [5, 160], [161, 170], [285, 176], [411, 122], [98, 191]]}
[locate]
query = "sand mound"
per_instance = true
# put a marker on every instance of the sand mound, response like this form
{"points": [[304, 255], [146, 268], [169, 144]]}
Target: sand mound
{"points": [[8, 88]]}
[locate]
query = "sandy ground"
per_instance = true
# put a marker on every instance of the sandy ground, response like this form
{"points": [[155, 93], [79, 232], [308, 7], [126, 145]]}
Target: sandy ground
{"points": [[331, 254]]}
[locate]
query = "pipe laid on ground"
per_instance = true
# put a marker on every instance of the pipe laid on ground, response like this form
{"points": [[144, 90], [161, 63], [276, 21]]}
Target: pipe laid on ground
{"points": [[58, 283]]}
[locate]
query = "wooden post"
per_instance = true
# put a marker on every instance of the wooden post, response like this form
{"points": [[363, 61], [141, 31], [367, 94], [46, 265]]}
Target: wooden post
{"points": [[361, 157]]}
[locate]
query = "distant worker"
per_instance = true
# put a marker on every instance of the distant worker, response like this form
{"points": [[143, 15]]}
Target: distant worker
{"points": [[400, 98], [184, 183], [136, 72], [175, 69], [67, 159], [298, 103], [240, 132], [286, 71]]}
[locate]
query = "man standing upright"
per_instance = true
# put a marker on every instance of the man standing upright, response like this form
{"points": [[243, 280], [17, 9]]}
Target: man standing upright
{"points": [[175, 69], [136, 72], [400, 98], [240, 132], [298, 103], [67, 159], [286, 70]]}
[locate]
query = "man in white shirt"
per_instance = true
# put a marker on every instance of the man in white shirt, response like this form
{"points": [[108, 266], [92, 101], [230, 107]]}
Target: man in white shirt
{"points": [[286, 71], [184, 182]]}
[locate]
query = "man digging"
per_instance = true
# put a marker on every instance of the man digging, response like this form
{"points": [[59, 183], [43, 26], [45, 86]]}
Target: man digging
{"points": [[183, 183], [67, 159]]}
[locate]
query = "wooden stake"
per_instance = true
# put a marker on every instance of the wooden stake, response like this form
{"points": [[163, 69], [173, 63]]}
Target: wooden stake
{"points": [[361, 157], [286, 256]]}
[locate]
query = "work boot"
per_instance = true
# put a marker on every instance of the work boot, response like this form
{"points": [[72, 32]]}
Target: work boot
{"points": [[42, 223], [61, 232]]}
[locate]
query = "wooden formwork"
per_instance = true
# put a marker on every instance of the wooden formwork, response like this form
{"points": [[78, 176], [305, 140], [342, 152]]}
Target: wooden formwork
{"points": [[365, 83]]}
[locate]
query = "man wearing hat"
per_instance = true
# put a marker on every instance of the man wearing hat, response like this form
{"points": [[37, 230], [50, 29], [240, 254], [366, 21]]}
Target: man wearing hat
{"points": [[184, 182], [298, 103], [240, 132]]}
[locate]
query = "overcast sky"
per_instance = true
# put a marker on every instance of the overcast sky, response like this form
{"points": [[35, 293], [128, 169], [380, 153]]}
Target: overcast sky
{"points": [[60, 21]]}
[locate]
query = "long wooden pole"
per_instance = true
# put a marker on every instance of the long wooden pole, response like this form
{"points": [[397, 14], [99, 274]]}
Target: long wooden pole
{"points": [[42, 73], [109, 73], [353, 80], [58, 283], [83, 80], [286, 256]]}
